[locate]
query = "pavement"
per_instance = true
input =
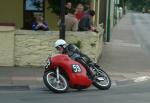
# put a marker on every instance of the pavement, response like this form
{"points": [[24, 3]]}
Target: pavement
{"points": [[21, 78], [123, 59]]}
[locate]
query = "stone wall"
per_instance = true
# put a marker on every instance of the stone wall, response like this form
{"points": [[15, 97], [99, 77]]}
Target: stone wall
{"points": [[31, 48], [7, 45]]}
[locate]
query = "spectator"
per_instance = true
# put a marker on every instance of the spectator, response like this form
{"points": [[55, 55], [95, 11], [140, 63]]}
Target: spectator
{"points": [[70, 21], [79, 11], [85, 24], [39, 24], [87, 7], [68, 6]]}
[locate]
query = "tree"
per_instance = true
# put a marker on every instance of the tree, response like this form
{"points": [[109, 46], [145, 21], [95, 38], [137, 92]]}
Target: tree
{"points": [[55, 4], [147, 4], [138, 5]]}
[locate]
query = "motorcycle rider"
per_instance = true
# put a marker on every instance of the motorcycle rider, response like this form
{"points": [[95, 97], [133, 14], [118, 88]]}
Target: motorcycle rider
{"points": [[73, 52]]}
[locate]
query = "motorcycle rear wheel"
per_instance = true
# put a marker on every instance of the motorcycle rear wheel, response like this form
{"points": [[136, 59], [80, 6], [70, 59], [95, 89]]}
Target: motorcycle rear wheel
{"points": [[101, 80], [52, 84]]}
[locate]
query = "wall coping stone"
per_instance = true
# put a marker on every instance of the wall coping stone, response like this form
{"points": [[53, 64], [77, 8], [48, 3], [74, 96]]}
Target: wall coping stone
{"points": [[31, 32], [7, 28]]}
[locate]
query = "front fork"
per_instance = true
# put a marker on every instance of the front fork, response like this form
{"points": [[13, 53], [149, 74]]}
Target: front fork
{"points": [[57, 74]]}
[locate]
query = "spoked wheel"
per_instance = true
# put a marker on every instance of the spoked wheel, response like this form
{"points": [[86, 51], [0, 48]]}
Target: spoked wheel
{"points": [[101, 80], [51, 82]]}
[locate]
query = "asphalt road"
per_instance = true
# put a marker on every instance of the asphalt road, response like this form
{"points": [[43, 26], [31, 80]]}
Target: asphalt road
{"points": [[130, 93], [141, 26]]}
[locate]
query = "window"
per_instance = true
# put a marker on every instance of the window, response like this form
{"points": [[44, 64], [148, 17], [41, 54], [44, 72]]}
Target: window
{"points": [[32, 7]]}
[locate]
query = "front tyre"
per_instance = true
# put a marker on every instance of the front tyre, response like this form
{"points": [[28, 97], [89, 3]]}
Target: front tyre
{"points": [[51, 82], [101, 80]]}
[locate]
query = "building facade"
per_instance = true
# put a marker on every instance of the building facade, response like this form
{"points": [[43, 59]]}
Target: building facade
{"points": [[12, 11]]}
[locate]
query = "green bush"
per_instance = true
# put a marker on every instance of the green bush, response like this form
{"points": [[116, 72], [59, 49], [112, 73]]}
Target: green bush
{"points": [[78, 44]]}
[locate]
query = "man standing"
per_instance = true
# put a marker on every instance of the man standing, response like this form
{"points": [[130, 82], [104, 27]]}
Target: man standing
{"points": [[68, 6], [70, 21], [85, 24]]}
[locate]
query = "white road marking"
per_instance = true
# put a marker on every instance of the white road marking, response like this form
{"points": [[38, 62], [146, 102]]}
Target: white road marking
{"points": [[141, 79]]}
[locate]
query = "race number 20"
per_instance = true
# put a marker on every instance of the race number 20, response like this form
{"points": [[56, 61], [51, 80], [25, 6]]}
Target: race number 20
{"points": [[76, 68]]}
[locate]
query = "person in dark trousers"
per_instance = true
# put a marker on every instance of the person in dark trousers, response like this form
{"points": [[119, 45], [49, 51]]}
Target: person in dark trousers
{"points": [[85, 23]]}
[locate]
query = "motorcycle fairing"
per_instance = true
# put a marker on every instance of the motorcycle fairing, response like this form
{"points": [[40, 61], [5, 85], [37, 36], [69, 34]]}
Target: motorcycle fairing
{"points": [[75, 71]]}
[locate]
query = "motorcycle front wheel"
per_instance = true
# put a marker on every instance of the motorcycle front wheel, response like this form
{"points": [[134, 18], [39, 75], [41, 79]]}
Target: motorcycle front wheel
{"points": [[51, 82], [101, 80]]}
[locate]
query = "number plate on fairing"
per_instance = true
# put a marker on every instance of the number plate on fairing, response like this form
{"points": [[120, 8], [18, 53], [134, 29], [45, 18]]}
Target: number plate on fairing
{"points": [[76, 68]]}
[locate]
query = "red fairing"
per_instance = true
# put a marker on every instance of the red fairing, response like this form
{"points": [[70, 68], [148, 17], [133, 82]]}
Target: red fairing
{"points": [[75, 71]]}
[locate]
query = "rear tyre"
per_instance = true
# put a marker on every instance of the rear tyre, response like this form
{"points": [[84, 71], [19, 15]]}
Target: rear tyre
{"points": [[51, 82], [101, 80]]}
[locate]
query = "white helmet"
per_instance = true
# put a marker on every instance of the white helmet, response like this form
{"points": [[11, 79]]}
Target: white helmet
{"points": [[59, 42]]}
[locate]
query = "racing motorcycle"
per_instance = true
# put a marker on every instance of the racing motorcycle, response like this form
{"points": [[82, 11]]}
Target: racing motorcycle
{"points": [[62, 72]]}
